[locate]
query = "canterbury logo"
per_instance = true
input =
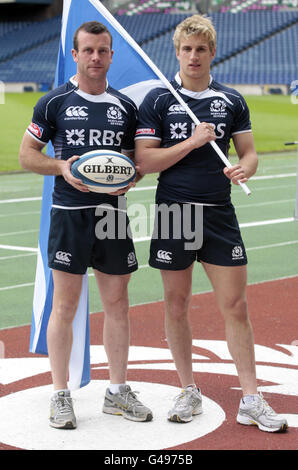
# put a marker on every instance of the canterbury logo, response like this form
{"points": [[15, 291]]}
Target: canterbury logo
{"points": [[164, 255], [76, 111], [62, 256]]}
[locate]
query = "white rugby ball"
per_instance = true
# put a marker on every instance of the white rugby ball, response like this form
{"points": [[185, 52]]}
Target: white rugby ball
{"points": [[104, 171]]}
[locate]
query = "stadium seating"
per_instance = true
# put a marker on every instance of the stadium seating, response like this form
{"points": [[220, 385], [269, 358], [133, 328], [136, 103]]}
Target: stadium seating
{"points": [[146, 27], [253, 47], [238, 32], [236, 6], [272, 61], [7, 27], [35, 65], [155, 6], [27, 37]]}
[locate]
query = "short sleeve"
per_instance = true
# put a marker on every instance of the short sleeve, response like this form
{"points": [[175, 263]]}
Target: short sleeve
{"points": [[42, 127], [241, 121], [149, 124], [128, 138]]}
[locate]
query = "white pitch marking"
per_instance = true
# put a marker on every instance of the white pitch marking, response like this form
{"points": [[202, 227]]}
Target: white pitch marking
{"points": [[18, 248], [30, 408], [149, 188]]}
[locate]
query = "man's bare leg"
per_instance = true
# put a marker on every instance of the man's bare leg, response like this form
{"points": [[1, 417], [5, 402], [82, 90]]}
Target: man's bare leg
{"points": [[116, 333], [67, 290], [177, 293], [229, 284]]}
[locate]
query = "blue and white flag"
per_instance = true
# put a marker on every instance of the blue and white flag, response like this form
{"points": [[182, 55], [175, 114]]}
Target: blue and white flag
{"points": [[131, 74]]}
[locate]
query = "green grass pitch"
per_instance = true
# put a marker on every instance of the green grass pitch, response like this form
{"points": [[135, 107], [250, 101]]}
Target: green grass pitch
{"points": [[273, 119]]}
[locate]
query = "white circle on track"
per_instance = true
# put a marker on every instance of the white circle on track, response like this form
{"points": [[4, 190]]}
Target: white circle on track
{"points": [[24, 421]]}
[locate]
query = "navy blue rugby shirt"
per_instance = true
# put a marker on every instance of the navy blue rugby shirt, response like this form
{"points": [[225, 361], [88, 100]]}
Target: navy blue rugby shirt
{"points": [[77, 122], [199, 176]]}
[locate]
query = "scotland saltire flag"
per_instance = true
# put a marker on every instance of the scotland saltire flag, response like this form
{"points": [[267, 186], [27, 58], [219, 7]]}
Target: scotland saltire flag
{"points": [[130, 73]]}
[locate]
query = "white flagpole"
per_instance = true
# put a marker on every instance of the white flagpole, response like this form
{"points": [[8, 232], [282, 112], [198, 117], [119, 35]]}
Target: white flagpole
{"points": [[166, 82]]}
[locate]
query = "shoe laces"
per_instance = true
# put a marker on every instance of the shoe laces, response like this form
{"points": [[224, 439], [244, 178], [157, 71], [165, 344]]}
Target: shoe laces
{"points": [[64, 405], [130, 398], [262, 407], [184, 395], [265, 407]]}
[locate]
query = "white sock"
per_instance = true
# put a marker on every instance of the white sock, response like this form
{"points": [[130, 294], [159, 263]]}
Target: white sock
{"points": [[65, 390], [114, 388], [247, 399], [192, 386]]}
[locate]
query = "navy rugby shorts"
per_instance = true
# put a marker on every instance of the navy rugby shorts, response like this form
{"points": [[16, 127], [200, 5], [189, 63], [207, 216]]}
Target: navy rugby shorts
{"points": [[80, 238], [209, 234]]}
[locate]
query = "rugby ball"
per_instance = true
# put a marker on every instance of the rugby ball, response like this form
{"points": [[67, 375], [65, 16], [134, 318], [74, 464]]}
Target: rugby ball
{"points": [[104, 171]]}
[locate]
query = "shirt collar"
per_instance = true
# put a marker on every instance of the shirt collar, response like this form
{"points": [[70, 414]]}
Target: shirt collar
{"points": [[190, 93], [75, 82]]}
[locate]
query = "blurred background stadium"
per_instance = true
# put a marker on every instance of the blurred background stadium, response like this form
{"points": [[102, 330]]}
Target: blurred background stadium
{"points": [[257, 40]]}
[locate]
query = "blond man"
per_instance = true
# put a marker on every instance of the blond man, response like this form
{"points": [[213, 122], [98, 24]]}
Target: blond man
{"points": [[192, 177]]}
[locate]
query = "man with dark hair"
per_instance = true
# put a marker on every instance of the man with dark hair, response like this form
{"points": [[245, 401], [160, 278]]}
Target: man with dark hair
{"points": [[92, 27], [73, 217]]}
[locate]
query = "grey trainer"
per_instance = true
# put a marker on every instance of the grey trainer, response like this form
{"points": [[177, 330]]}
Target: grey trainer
{"points": [[61, 411], [187, 404], [125, 403], [260, 414]]}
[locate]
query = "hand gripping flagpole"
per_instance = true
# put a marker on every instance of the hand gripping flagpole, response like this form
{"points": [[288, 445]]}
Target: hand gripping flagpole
{"points": [[160, 75]]}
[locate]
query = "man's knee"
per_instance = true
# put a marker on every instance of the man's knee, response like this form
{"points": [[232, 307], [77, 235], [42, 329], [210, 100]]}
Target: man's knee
{"points": [[177, 304], [235, 307], [64, 310]]}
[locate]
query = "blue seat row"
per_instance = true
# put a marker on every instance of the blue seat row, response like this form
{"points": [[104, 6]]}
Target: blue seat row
{"points": [[20, 40], [240, 58]]}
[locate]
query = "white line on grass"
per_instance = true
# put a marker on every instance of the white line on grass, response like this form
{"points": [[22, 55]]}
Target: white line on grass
{"points": [[4, 258], [19, 233], [23, 199], [272, 188], [270, 177], [27, 284], [143, 239], [268, 203], [267, 222], [243, 225], [148, 188], [273, 245], [20, 214], [18, 248]]}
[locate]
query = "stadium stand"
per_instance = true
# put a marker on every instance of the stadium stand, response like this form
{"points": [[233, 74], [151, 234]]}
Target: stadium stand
{"points": [[33, 34], [236, 33], [272, 61], [260, 46], [35, 65], [149, 26], [155, 6], [7, 27], [247, 5], [254, 47]]}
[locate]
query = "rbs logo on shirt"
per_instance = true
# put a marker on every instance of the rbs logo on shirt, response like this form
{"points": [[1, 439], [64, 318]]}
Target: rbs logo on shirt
{"points": [[219, 129], [78, 137]]}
